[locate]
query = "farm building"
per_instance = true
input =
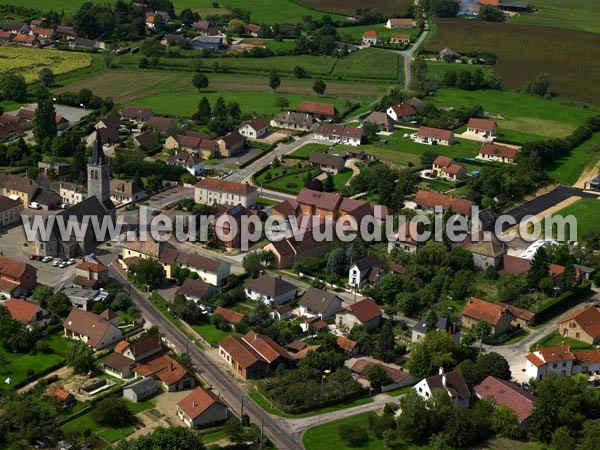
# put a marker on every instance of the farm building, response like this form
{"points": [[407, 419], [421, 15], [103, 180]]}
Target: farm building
{"points": [[140, 390]]}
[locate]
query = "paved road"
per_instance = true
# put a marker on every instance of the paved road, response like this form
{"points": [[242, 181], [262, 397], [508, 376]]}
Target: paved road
{"points": [[213, 374], [408, 54]]}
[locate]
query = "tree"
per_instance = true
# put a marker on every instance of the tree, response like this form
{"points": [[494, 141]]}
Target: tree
{"points": [[282, 103], [539, 268], [413, 423], [80, 357], [44, 125], [149, 272], [482, 330], [490, 14], [274, 80], [267, 257], [42, 295], [59, 305], [443, 8], [233, 430], [450, 78], [236, 26], [112, 412], [539, 86], [46, 77], [437, 349], [328, 184], [494, 364], [13, 87], [152, 48], [591, 435], [204, 113], [337, 262], [300, 72], [200, 81], [376, 376], [431, 321], [370, 132], [427, 158], [562, 439], [319, 87], [352, 435], [506, 422], [260, 314], [252, 264]]}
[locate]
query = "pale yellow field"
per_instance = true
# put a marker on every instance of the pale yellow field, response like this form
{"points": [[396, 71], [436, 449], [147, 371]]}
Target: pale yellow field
{"points": [[29, 61]]}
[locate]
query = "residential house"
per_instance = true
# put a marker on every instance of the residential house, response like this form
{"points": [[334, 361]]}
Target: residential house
{"points": [[561, 360], [140, 390], [97, 331], [123, 191], [294, 121], [497, 315], [24, 39], [363, 312], [327, 162], [395, 376], [58, 167], [406, 238], [487, 254], [231, 317], [192, 162], [201, 407], [226, 218], [65, 32], [508, 394], [348, 346], [255, 128], [169, 372], [145, 141], [137, 114], [71, 193], [451, 382], [442, 324], [432, 136], [205, 27], [359, 272], [291, 249], [213, 191], [185, 141], [119, 366], [85, 298], [321, 111], [316, 302], [162, 125], [195, 290], [339, 134], [16, 277], [493, 152], [28, 313], [231, 144], [137, 249], [14, 186], [43, 33], [81, 43], [214, 43], [381, 120], [284, 312], [400, 23], [445, 167], [429, 201], [485, 127], [271, 290], [370, 37], [210, 270], [255, 30], [447, 54], [10, 211], [5, 36], [400, 39], [253, 355], [10, 132], [141, 349], [583, 325], [90, 274]]}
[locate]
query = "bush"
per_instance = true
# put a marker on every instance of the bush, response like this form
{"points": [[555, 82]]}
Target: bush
{"points": [[112, 412], [352, 435]]}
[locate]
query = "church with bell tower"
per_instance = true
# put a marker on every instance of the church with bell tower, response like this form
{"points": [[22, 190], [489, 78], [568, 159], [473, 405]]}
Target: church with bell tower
{"points": [[98, 175]]}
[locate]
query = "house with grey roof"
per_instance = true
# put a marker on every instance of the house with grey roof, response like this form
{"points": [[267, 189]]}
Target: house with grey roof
{"points": [[140, 390], [271, 289], [442, 324], [316, 302]]}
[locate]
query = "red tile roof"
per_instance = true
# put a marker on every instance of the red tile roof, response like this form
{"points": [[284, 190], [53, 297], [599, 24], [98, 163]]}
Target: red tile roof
{"points": [[400, 36], [11, 267], [587, 318], [215, 184], [402, 22], [321, 200], [22, 310], [364, 310], [242, 353], [265, 346], [432, 199], [404, 110], [498, 150], [320, 109], [436, 133], [551, 355], [61, 394], [346, 344], [443, 161], [94, 266], [481, 124], [371, 33], [481, 310], [230, 315], [507, 394], [588, 357], [197, 402]]}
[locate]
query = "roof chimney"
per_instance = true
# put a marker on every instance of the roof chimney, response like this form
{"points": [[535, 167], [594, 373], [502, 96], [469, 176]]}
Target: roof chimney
{"points": [[444, 380], [441, 371], [194, 404]]}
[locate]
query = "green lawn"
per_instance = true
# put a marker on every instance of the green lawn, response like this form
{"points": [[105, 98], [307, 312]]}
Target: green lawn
{"points": [[212, 334], [523, 113], [291, 181], [16, 365], [437, 70], [568, 169], [586, 212], [355, 33], [340, 179], [308, 149], [554, 340], [370, 63], [326, 437], [581, 15]]}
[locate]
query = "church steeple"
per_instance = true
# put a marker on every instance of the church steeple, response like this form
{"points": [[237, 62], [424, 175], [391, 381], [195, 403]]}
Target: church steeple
{"points": [[98, 172]]}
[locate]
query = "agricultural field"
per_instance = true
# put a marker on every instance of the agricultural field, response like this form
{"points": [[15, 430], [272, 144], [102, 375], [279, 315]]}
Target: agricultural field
{"points": [[586, 213], [391, 7], [370, 63], [522, 114], [275, 46], [437, 70], [569, 169], [355, 34], [29, 61], [580, 15], [173, 93], [572, 58]]}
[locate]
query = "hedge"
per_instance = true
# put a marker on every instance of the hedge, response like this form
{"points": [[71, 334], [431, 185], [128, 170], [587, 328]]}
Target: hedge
{"points": [[555, 306]]}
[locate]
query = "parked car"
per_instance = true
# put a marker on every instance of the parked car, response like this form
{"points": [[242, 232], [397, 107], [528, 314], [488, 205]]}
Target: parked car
{"points": [[56, 263], [33, 257]]}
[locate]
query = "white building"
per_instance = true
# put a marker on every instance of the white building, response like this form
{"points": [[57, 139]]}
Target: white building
{"points": [[563, 361], [271, 290], [213, 191], [190, 161], [201, 407], [255, 128], [452, 382], [339, 134]]}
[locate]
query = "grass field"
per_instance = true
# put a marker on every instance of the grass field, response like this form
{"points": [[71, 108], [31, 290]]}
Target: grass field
{"points": [[273, 45], [340, 179], [212, 334], [572, 58], [326, 437], [16, 365], [29, 61], [554, 340], [370, 63], [355, 34], [437, 70], [292, 181], [567, 170], [586, 213], [392, 7], [308, 149], [581, 15], [531, 117]]}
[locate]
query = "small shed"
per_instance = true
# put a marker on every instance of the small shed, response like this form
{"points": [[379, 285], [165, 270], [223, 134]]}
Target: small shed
{"points": [[140, 390]]}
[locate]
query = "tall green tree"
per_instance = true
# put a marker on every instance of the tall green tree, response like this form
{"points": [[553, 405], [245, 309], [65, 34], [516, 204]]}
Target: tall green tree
{"points": [[319, 86], [539, 268], [13, 87], [200, 81], [44, 125], [274, 80], [80, 357]]}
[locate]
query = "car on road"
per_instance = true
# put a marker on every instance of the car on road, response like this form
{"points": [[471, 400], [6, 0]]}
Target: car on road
{"points": [[63, 264], [47, 259], [56, 263], [71, 261]]}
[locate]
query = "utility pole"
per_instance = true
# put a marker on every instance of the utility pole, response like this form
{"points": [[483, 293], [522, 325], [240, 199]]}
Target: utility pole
{"points": [[262, 427], [242, 412]]}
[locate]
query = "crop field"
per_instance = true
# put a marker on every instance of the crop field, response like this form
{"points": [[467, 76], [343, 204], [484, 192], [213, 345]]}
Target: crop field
{"points": [[29, 61], [572, 58], [580, 15], [173, 93], [356, 33], [567, 170], [370, 63], [350, 6], [437, 70], [522, 114]]}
